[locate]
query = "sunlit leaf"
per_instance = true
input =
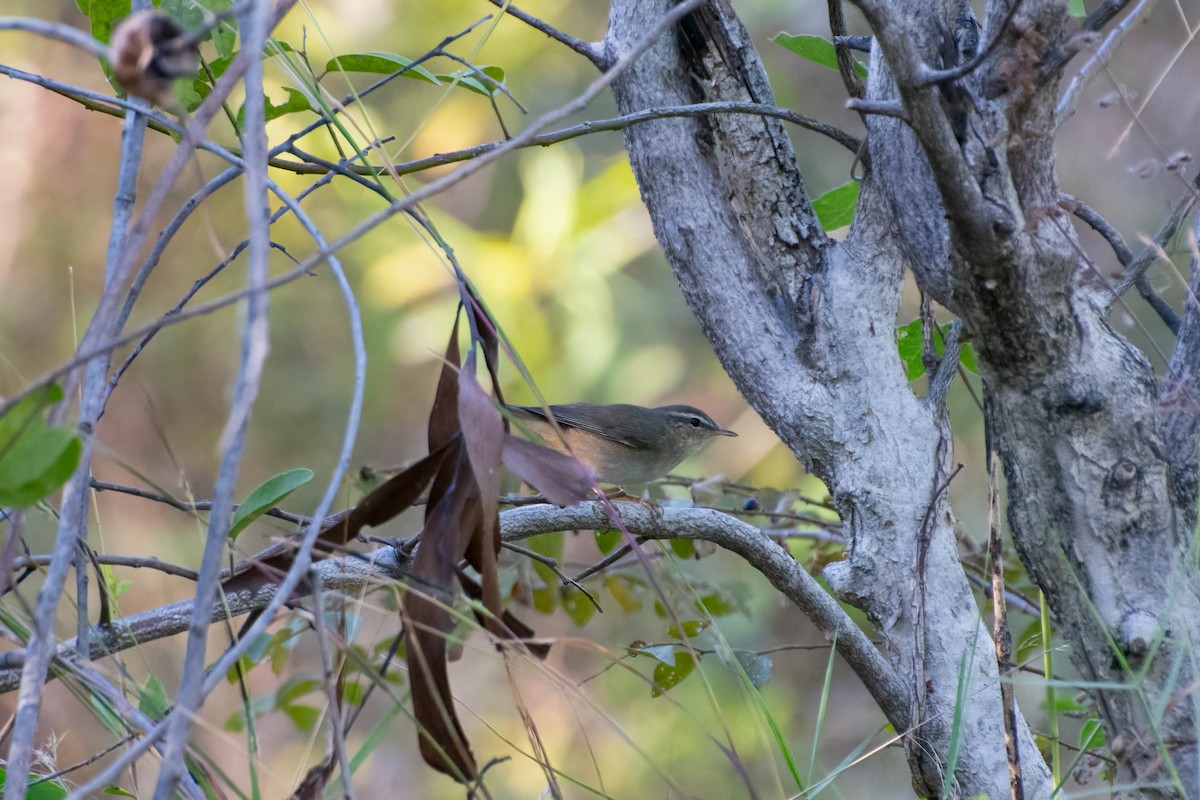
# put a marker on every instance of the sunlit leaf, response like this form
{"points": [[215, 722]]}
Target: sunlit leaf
{"points": [[380, 64], [266, 496], [835, 208], [815, 49]]}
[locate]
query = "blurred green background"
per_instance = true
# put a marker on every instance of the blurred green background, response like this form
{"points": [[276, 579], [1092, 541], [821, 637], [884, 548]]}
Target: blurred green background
{"points": [[562, 251]]}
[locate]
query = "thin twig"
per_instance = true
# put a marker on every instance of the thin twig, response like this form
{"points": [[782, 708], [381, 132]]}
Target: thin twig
{"points": [[589, 51], [552, 563], [1099, 60], [329, 681], [254, 27]]}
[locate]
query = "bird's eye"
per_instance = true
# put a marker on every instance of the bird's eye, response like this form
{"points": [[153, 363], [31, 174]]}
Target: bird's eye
{"points": [[695, 422]]}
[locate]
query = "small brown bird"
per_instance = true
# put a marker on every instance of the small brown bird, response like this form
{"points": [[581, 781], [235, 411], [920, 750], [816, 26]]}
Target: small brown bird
{"points": [[147, 52], [624, 444]]}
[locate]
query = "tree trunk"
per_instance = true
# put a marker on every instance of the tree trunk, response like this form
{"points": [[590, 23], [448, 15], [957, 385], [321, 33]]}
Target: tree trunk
{"points": [[1101, 472]]}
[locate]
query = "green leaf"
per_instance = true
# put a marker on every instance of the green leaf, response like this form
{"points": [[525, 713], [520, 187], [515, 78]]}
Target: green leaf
{"points": [[577, 605], [481, 80], [188, 13], [294, 689], [967, 359], [104, 14], [815, 49], [667, 677], [268, 494], [34, 460], [118, 791], [354, 692], [549, 545], [380, 64], [911, 347], [908, 340], [305, 717], [691, 628], [297, 102], [545, 599], [1091, 735], [716, 604], [683, 548], [620, 589], [835, 208], [1075, 9], [152, 699], [606, 541]]}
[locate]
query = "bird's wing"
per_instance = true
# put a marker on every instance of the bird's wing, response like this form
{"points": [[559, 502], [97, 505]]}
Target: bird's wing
{"points": [[604, 421]]}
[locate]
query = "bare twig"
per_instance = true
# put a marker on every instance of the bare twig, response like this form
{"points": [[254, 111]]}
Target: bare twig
{"points": [[254, 29], [1099, 60], [589, 51]]}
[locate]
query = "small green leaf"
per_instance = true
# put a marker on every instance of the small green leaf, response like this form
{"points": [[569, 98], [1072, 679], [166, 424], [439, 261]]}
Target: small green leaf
{"points": [[294, 689], [622, 592], [304, 716], [577, 605], [354, 692], [380, 64], [268, 494], [908, 340], [666, 677], [1075, 9], [118, 791], [835, 208], [967, 359], [152, 699], [606, 541], [716, 604], [1091, 735], [297, 102], [691, 628], [545, 599], [549, 545], [481, 80], [683, 548], [104, 14], [912, 347], [815, 49], [34, 460], [188, 13]]}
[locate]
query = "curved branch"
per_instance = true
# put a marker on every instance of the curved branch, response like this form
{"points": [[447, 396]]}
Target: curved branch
{"points": [[354, 574]]}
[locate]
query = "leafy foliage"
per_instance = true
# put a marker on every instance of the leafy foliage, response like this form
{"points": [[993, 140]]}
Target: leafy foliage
{"points": [[35, 459]]}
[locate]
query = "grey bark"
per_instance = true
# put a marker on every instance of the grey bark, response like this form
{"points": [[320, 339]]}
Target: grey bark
{"points": [[962, 191]]}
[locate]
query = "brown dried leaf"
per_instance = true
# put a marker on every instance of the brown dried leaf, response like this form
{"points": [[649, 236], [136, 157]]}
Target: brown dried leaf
{"points": [[451, 521], [443, 417], [562, 479]]}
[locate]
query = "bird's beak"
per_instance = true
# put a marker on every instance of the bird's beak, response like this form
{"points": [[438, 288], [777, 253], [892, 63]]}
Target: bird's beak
{"points": [[723, 432]]}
